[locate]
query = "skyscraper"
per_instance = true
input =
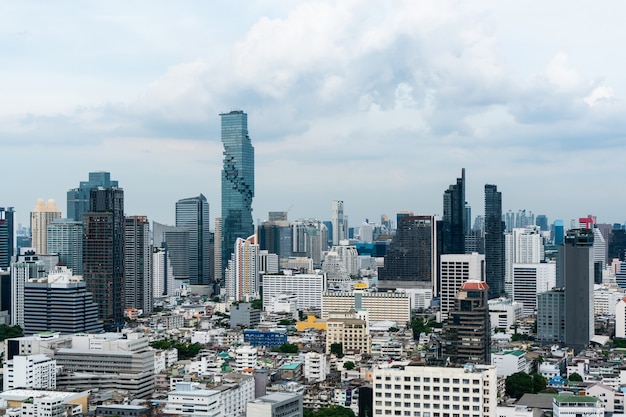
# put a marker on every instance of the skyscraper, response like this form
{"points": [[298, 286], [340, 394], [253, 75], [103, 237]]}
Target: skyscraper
{"points": [[103, 253], [175, 241], [193, 214], [78, 198], [411, 260], [339, 232], [65, 238], [242, 274], [7, 236], [40, 218], [137, 263], [454, 220], [494, 241], [237, 182]]}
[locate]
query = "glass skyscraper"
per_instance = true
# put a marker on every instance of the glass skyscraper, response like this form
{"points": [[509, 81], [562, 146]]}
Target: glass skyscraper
{"points": [[193, 214], [78, 198], [494, 241], [454, 217], [7, 235], [237, 182]]}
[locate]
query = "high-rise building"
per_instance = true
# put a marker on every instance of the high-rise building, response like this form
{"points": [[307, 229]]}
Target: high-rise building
{"points": [[558, 232], [529, 280], [25, 268], [137, 264], [467, 335], [40, 218], [65, 238], [542, 221], [411, 259], [339, 231], [242, 274], [551, 316], [61, 303], [494, 241], [575, 270], [7, 236], [454, 221], [193, 213], [275, 235], [237, 182], [78, 198], [175, 241], [454, 272], [103, 253], [162, 273]]}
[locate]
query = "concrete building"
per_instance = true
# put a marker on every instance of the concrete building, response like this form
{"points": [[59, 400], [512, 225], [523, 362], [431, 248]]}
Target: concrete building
{"points": [[510, 362], [307, 288], [65, 238], [137, 264], [381, 306], [551, 316], [193, 213], [315, 367], [278, 404], [504, 314], [351, 332], [246, 357], [244, 315], [530, 280], [42, 215], [407, 389], [41, 403], [348, 256], [577, 405], [339, 229], [30, 371], [27, 267], [455, 270], [242, 274], [620, 318]]}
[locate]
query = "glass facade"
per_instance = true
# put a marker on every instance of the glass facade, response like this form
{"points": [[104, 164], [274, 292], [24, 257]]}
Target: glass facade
{"points": [[494, 241], [237, 182], [193, 214], [78, 198]]}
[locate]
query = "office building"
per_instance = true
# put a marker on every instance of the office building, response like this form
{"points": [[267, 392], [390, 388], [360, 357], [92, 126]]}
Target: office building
{"points": [[7, 236], [65, 239], [137, 264], [218, 271], [237, 182], [467, 334], [283, 404], [455, 271], [30, 371], [193, 214], [242, 274], [380, 306], [307, 288], [175, 241], [309, 239], [411, 258], [410, 389], [61, 303], [494, 241], [40, 218], [78, 198], [244, 315], [558, 234], [576, 270], [541, 221], [275, 235], [454, 221], [103, 254], [25, 268], [530, 280], [551, 316]]}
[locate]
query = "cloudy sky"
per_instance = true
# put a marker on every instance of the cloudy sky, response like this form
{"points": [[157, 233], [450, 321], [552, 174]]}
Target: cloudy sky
{"points": [[379, 104]]}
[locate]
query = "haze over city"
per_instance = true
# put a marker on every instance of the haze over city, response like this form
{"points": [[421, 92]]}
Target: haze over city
{"points": [[376, 104]]}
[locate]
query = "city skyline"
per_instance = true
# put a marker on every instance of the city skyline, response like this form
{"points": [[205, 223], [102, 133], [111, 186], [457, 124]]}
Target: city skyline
{"points": [[374, 105]]}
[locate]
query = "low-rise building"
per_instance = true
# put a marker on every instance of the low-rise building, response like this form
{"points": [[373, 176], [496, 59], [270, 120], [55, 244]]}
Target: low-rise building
{"points": [[281, 404], [577, 405], [30, 371], [510, 362]]}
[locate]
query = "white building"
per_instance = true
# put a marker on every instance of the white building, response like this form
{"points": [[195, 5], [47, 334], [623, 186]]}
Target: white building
{"points": [[246, 357], [38, 403], [530, 280], [528, 245], [268, 262], [278, 404], [402, 389], [242, 275], [605, 300], [612, 400], [504, 313], [162, 274], [30, 371], [455, 270], [348, 256], [308, 288], [338, 222], [510, 362], [381, 306], [187, 401], [576, 405], [316, 367], [620, 318]]}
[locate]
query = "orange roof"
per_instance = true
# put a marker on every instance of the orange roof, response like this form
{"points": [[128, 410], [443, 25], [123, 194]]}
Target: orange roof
{"points": [[474, 285]]}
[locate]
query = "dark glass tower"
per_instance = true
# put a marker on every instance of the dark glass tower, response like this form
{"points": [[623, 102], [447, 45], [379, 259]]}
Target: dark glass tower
{"points": [[137, 264], [78, 198], [411, 259], [7, 236], [237, 182], [494, 241], [193, 214], [103, 253], [454, 221]]}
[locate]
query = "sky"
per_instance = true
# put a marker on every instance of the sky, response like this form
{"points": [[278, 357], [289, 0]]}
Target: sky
{"points": [[378, 104]]}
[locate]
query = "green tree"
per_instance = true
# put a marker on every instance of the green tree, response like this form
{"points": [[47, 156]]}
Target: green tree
{"points": [[419, 325], [348, 365], [8, 332], [518, 384], [337, 349], [333, 411], [257, 304], [286, 348], [393, 330], [576, 377], [539, 382]]}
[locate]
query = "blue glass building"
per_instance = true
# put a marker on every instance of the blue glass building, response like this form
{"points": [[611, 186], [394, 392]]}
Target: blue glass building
{"points": [[266, 339], [237, 182], [193, 214], [78, 198]]}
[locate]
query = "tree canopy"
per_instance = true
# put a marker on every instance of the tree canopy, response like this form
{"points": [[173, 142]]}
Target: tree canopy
{"points": [[185, 350], [348, 365], [576, 377], [521, 383], [329, 412], [8, 332]]}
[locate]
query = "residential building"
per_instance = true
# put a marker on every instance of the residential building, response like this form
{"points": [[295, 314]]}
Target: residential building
{"points": [[348, 256], [577, 405], [309, 239], [494, 242], [237, 182], [408, 389], [242, 314], [467, 335], [61, 303], [65, 238], [454, 271], [530, 280], [510, 362], [277, 404], [175, 242], [307, 288], [411, 258], [246, 357], [103, 254], [26, 268], [349, 331], [620, 319], [30, 371], [137, 264], [551, 316], [162, 273], [454, 217], [242, 275], [42, 215], [193, 213], [316, 367], [380, 306]]}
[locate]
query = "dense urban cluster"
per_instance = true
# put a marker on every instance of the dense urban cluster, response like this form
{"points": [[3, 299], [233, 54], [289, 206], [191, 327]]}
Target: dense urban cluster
{"points": [[104, 313]]}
